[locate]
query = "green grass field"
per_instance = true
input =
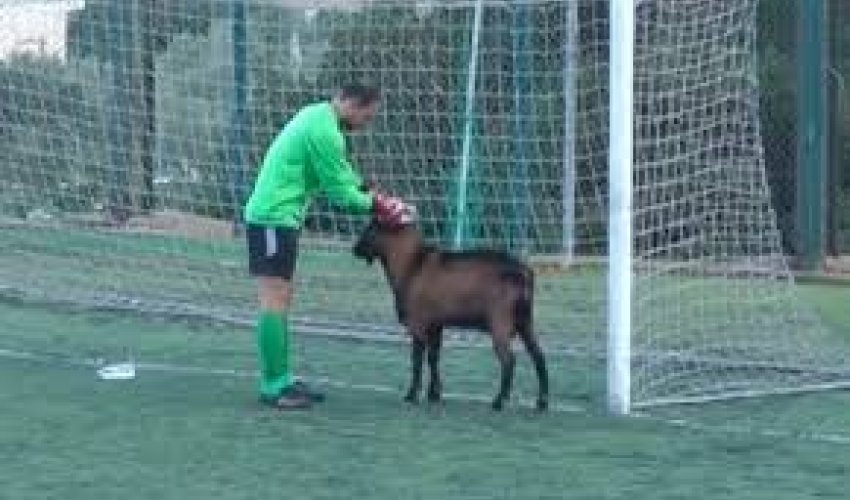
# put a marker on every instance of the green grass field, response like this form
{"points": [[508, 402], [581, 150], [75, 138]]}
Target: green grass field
{"points": [[188, 427], [67, 435]]}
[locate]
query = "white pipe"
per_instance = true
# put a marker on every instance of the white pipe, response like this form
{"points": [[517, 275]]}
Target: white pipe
{"points": [[621, 140], [463, 178], [568, 200]]}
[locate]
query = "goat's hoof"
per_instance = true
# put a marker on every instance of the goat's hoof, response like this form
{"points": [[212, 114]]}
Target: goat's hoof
{"points": [[411, 398], [542, 405], [434, 397], [498, 404]]}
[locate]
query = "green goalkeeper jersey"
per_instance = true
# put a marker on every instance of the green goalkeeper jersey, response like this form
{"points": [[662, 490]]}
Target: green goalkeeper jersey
{"points": [[306, 158]]}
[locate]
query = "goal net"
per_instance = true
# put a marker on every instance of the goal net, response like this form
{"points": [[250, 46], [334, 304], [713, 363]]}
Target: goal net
{"points": [[131, 132]]}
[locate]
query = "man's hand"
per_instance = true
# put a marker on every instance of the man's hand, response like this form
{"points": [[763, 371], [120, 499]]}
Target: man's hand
{"points": [[393, 211]]}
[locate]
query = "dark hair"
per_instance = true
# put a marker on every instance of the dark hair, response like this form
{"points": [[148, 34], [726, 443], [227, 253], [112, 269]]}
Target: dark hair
{"points": [[363, 94]]}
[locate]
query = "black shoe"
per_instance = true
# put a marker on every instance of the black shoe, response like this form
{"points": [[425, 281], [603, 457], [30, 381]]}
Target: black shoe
{"points": [[288, 399], [302, 389]]}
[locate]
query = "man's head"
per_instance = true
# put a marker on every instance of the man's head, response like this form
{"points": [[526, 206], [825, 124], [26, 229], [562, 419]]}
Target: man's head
{"points": [[357, 105]]}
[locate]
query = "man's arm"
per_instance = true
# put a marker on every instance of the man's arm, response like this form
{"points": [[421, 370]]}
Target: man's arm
{"points": [[344, 187], [337, 178]]}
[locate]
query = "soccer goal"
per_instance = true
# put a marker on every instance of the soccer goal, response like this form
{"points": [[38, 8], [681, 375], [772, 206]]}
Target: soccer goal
{"points": [[615, 145]]}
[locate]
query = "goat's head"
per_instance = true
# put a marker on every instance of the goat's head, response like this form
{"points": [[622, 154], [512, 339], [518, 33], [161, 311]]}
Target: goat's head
{"points": [[368, 245], [378, 240]]}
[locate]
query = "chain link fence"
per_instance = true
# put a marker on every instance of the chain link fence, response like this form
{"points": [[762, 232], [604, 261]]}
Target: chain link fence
{"points": [[69, 174], [779, 62]]}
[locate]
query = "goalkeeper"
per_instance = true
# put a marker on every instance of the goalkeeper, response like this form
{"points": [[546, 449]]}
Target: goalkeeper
{"points": [[307, 157]]}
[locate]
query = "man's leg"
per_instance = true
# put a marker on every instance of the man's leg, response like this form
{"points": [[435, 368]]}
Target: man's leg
{"points": [[273, 336], [274, 339], [272, 253]]}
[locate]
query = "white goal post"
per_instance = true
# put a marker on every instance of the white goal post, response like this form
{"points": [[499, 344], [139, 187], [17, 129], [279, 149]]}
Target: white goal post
{"points": [[621, 116]]}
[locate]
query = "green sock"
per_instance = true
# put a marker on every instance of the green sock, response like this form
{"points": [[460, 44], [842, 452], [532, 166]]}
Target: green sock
{"points": [[273, 346]]}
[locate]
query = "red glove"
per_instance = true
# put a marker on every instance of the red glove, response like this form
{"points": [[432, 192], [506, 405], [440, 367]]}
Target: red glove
{"points": [[392, 211]]}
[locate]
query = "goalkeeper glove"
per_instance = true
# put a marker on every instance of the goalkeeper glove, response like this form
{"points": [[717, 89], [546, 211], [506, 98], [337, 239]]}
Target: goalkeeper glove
{"points": [[393, 211]]}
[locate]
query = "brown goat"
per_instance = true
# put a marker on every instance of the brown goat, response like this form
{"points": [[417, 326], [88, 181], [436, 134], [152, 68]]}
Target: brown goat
{"points": [[434, 289]]}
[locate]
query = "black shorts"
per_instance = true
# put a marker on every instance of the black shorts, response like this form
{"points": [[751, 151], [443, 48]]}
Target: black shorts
{"points": [[272, 251]]}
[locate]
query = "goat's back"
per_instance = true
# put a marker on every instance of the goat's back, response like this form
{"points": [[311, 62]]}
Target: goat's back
{"points": [[467, 288]]}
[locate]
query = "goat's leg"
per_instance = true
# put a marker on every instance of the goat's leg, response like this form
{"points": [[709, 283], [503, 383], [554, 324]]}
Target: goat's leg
{"points": [[502, 346], [536, 354], [435, 386], [416, 353]]}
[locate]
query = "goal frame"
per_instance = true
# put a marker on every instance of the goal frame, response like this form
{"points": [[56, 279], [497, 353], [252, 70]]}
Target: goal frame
{"points": [[620, 168]]}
